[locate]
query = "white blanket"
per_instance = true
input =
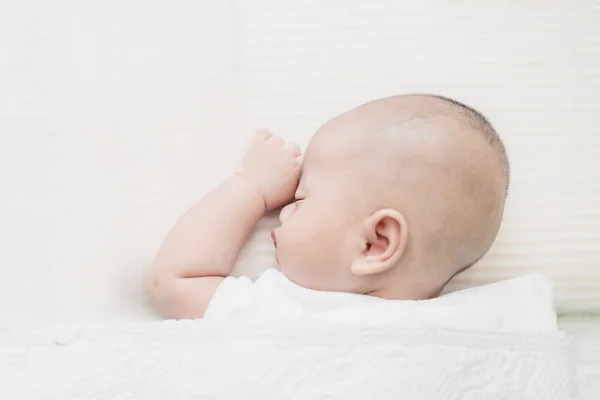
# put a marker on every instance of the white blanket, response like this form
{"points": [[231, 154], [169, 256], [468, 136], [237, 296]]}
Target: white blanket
{"points": [[201, 360]]}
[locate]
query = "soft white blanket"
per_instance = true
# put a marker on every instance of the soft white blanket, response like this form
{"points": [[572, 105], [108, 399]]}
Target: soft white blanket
{"points": [[201, 360]]}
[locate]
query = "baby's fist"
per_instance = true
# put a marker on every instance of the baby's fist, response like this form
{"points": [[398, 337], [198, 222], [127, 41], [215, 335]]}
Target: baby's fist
{"points": [[274, 167]]}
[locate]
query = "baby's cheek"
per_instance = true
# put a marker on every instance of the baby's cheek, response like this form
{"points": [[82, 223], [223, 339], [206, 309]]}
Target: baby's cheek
{"points": [[311, 256], [320, 243], [299, 239], [309, 234]]}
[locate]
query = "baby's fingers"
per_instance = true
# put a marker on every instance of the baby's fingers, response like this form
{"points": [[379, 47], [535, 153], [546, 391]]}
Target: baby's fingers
{"points": [[293, 149], [276, 140], [262, 135]]}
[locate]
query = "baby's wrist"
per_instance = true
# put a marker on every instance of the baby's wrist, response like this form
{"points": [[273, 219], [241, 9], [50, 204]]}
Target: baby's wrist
{"points": [[252, 189]]}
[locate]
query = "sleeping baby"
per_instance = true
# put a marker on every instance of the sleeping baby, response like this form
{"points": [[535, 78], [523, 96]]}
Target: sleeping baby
{"points": [[389, 202]]}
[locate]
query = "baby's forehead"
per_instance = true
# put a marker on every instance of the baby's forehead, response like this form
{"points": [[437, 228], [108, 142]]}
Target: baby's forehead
{"points": [[341, 133], [389, 128], [387, 145], [326, 153], [328, 147], [345, 137]]}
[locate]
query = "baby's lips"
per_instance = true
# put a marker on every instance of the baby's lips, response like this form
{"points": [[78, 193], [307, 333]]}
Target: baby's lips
{"points": [[274, 237]]}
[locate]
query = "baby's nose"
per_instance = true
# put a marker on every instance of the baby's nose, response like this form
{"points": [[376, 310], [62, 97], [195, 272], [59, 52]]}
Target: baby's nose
{"points": [[286, 212]]}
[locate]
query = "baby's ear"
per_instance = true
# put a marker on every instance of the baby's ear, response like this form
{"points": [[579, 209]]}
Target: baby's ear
{"points": [[385, 234]]}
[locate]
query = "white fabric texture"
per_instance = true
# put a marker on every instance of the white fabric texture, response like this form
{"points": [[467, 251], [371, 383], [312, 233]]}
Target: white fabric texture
{"points": [[586, 331], [518, 305], [531, 67], [205, 360]]}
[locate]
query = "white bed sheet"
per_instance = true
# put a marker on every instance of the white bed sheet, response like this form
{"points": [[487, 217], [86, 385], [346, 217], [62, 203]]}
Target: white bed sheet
{"points": [[586, 331], [306, 360]]}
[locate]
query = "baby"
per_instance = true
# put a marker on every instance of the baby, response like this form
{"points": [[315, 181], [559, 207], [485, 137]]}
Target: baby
{"points": [[389, 202]]}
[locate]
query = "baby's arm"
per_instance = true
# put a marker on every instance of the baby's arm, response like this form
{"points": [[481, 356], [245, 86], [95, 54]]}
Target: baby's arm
{"points": [[202, 247]]}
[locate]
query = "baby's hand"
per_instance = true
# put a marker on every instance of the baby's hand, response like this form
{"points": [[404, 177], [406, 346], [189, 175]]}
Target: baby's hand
{"points": [[274, 167]]}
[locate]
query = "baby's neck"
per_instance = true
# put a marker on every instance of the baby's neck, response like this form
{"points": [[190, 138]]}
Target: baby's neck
{"points": [[407, 290]]}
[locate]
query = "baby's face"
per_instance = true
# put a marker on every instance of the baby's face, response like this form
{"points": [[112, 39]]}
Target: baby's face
{"points": [[316, 241]]}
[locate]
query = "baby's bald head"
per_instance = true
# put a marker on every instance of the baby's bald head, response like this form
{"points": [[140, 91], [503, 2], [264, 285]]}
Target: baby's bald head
{"points": [[437, 162]]}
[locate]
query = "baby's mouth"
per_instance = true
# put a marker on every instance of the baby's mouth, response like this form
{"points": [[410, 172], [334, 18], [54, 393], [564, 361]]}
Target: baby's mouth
{"points": [[274, 238]]}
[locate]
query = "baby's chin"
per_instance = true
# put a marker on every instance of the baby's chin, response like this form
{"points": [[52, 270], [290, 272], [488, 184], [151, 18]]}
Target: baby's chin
{"points": [[285, 271], [297, 279]]}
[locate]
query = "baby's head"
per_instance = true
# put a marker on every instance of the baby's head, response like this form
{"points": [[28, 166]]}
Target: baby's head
{"points": [[396, 197]]}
